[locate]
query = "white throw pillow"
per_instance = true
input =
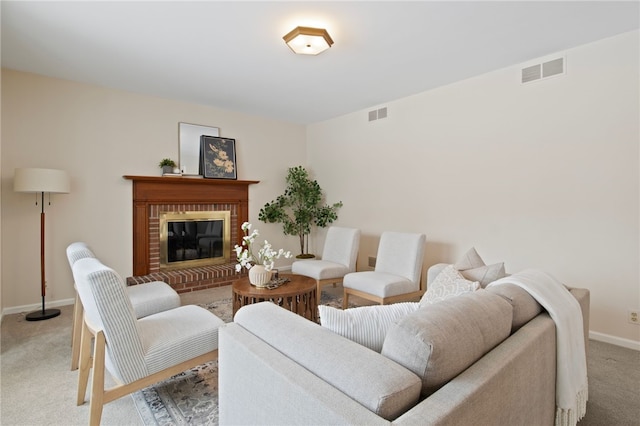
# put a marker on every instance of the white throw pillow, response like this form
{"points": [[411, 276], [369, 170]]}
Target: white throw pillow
{"points": [[473, 268], [485, 274], [366, 325], [448, 283], [470, 260]]}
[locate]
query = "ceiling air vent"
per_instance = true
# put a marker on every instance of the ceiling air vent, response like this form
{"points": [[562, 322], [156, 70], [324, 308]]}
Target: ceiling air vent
{"points": [[543, 70]]}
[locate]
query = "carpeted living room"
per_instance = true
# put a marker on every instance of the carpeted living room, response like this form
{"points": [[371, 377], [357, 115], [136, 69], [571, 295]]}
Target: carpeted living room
{"points": [[511, 128]]}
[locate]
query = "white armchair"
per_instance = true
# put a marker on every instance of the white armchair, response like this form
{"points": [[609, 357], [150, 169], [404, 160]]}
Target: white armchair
{"points": [[396, 277], [339, 257], [136, 352], [75, 252], [147, 298]]}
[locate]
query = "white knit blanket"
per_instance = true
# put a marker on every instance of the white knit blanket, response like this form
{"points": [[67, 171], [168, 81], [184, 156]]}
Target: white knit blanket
{"points": [[571, 363]]}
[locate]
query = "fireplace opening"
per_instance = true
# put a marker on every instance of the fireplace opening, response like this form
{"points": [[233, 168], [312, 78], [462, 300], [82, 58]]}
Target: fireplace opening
{"points": [[197, 238]]}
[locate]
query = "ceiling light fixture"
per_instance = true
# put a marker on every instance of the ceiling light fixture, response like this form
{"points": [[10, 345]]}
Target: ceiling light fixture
{"points": [[308, 41]]}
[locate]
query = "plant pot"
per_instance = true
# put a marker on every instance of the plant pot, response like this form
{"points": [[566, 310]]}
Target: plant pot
{"points": [[259, 276], [305, 256], [167, 169]]}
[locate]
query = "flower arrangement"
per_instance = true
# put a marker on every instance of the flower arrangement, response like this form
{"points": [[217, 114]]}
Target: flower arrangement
{"points": [[266, 253]]}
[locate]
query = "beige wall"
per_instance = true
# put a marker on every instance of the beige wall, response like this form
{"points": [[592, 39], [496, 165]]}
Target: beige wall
{"points": [[1, 300], [98, 135], [543, 175]]}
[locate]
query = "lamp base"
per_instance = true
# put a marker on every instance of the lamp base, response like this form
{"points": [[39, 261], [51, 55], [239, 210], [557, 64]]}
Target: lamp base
{"points": [[42, 314]]}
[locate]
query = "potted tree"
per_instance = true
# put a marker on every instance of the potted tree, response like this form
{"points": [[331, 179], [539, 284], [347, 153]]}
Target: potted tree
{"points": [[167, 165], [299, 208]]}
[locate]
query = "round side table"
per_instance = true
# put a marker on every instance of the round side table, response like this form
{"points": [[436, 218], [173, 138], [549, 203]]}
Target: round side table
{"points": [[298, 295]]}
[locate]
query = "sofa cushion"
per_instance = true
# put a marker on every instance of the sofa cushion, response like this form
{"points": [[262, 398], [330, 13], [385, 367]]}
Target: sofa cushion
{"points": [[439, 341], [448, 283], [366, 325], [319, 269], [525, 307], [379, 384]]}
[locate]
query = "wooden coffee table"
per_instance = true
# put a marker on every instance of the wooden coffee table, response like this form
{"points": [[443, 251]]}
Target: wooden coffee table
{"points": [[298, 295]]}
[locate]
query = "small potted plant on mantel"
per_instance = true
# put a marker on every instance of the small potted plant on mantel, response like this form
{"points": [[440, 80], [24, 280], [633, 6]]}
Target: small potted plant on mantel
{"points": [[167, 165]]}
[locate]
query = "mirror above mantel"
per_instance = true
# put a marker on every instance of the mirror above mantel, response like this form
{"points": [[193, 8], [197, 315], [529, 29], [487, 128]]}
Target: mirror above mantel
{"points": [[189, 141]]}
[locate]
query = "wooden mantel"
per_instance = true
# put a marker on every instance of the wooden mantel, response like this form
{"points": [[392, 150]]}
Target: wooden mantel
{"points": [[153, 190]]}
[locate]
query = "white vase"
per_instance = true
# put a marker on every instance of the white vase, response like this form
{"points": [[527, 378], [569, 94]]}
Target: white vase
{"points": [[259, 276]]}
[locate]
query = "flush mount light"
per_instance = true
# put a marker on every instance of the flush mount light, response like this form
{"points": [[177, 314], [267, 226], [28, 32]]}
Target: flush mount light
{"points": [[308, 41]]}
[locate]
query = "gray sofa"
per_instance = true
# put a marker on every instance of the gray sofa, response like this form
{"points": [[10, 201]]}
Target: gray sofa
{"points": [[491, 361]]}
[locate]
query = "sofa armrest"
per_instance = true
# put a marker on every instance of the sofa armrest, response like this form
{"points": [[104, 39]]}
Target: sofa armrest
{"points": [[258, 385], [583, 296], [376, 382]]}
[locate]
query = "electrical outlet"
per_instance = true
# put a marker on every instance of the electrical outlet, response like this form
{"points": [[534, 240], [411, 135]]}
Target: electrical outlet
{"points": [[633, 317], [372, 262]]}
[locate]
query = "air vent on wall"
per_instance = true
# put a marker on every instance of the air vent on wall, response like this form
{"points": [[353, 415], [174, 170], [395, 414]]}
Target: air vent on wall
{"points": [[378, 114], [543, 70]]}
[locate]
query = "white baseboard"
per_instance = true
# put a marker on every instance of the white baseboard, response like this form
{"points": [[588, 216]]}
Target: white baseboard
{"points": [[618, 341], [36, 306]]}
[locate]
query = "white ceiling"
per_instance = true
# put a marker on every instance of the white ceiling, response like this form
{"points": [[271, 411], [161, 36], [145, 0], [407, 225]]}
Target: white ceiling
{"points": [[231, 54]]}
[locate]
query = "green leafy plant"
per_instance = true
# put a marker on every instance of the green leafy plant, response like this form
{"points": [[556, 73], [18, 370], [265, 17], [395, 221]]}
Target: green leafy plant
{"points": [[299, 208], [167, 162]]}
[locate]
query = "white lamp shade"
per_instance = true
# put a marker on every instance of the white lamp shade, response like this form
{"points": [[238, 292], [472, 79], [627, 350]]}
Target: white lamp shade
{"points": [[41, 180]]}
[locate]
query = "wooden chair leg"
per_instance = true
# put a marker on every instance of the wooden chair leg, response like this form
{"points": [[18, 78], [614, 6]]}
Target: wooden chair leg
{"points": [[345, 300], [76, 333], [84, 363], [97, 384], [322, 283]]}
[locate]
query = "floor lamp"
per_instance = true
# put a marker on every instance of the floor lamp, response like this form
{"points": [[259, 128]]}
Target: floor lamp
{"points": [[41, 181]]}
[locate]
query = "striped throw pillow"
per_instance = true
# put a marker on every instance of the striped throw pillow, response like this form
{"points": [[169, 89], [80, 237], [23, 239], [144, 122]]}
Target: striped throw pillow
{"points": [[366, 325]]}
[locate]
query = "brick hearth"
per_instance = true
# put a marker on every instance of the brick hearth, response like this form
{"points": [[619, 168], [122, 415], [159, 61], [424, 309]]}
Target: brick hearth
{"points": [[155, 195], [191, 279]]}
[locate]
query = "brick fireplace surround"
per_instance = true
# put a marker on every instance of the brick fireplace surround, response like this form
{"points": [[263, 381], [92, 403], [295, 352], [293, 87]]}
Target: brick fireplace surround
{"points": [[153, 195]]}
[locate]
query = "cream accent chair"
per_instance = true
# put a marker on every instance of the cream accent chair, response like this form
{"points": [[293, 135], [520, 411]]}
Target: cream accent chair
{"points": [[136, 352], [396, 277], [339, 257], [147, 298], [75, 252]]}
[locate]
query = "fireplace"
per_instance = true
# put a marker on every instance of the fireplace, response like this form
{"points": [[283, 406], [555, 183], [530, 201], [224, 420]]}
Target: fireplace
{"points": [[174, 197], [191, 239]]}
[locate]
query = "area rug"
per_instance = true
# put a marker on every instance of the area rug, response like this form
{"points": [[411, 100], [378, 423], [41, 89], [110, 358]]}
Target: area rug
{"points": [[191, 397]]}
